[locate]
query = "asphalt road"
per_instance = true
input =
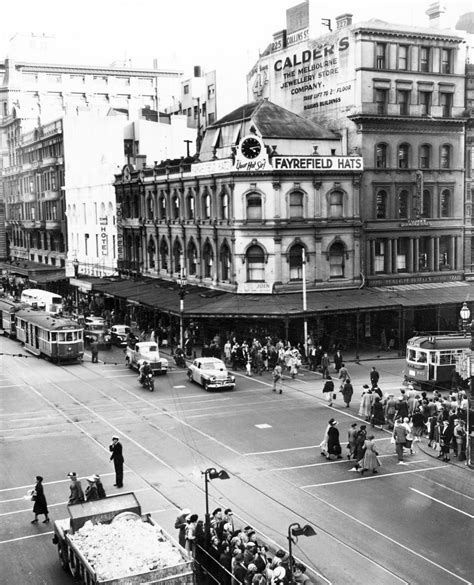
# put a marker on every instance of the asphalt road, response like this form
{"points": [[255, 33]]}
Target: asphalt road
{"points": [[408, 524]]}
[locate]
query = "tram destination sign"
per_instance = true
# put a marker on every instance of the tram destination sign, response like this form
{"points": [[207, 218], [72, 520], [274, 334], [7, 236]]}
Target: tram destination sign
{"points": [[317, 163]]}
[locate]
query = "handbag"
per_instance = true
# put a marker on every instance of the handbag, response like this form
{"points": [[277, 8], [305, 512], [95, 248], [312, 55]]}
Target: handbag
{"points": [[334, 396]]}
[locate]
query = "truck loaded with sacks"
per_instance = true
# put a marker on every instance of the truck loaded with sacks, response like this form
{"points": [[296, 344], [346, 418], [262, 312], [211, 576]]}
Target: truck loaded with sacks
{"points": [[110, 542]]}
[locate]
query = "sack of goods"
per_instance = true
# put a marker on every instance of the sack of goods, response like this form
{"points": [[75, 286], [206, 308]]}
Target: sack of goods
{"points": [[141, 546]]}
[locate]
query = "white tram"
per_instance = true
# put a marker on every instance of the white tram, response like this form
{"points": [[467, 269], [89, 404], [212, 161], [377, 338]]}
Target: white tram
{"points": [[59, 339], [431, 359]]}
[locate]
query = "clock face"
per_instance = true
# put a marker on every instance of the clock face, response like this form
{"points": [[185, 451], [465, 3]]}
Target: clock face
{"points": [[250, 148]]}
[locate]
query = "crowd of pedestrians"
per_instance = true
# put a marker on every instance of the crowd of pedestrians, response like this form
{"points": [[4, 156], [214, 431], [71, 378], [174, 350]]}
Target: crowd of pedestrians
{"points": [[233, 554]]}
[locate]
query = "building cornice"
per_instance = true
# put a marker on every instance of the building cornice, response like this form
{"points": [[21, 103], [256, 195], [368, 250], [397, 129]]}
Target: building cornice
{"points": [[95, 70]]}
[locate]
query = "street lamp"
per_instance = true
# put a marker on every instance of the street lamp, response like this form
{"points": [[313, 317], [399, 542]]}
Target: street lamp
{"points": [[210, 473], [465, 314], [305, 321], [295, 530], [469, 414], [181, 301]]}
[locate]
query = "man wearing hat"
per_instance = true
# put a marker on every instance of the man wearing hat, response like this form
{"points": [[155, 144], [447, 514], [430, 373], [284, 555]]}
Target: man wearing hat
{"points": [[117, 458], [91, 493], [76, 495], [180, 525], [100, 488]]}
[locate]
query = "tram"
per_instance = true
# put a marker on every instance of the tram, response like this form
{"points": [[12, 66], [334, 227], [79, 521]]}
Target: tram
{"points": [[431, 359], [59, 339], [8, 310]]}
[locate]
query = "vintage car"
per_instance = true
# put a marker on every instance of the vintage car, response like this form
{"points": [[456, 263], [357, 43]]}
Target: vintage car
{"points": [[118, 335], [145, 351], [211, 373], [94, 327]]}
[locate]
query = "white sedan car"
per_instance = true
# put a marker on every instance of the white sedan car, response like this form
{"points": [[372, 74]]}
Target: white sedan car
{"points": [[211, 373]]}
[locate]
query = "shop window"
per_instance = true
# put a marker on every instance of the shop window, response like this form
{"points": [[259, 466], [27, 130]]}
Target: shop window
{"points": [[255, 259], [336, 204], [296, 262], [403, 156], [381, 204], [425, 156], [403, 204], [254, 207], [381, 156], [336, 261], [445, 203], [296, 205], [445, 156]]}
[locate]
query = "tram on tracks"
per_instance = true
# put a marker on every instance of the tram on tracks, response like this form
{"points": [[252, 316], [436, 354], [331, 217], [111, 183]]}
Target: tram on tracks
{"points": [[431, 359], [8, 310], [44, 335]]}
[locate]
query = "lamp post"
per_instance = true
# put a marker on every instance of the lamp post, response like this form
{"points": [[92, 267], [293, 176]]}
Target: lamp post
{"points": [[470, 414], [295, 530], [181, 301], [465, 314], [210, 473], [305, 321]]}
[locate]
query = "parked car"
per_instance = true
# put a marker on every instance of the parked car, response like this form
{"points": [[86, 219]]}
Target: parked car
{"points": [[211, 373], [94, 327], [145, 350], [118, 335]]}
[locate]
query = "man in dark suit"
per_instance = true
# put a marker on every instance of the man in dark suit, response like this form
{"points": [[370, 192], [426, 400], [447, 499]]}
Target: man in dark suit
{"points": [[117, 458]]}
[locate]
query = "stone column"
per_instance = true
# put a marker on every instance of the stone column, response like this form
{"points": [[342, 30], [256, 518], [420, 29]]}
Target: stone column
{"points": [[452, 253], [431, 255], [416, 255], [372, 257], [395, 256], [436, 253], [388, 257]]}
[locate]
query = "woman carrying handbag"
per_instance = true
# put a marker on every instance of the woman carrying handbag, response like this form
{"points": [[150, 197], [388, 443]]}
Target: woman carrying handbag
{"points": [[39, 499]]}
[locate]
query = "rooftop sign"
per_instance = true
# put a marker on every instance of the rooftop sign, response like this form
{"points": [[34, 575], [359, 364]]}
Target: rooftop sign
{"points": [[318, 163]]}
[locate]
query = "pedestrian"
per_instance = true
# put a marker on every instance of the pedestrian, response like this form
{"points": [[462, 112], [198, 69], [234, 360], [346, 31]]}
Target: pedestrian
{"points": [[418, 424], [248, 367], [390, 410], [325, 365], [343, 374], [299, 574], [374, 376], [370, 459], [328, 390], [352, 440], [366, 402], [95, 350], [117, 458], [347, 392], [460, 437], [334, 446], [40, 505], [91, 494], [76, 495], [399, 437], [377, 415], [180, 525], [338, 360], [360, 446], [190, 533], [324, 443], [445, 440], [277, 378], [402, 408], [100, 487]]}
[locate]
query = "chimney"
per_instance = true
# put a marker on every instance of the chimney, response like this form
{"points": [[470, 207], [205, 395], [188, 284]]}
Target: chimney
{"points": [[435, 13], [343, 21]]}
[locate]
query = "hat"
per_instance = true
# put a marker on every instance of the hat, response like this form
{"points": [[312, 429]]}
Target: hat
{"points": [[353, 424], [185, 511], [72, 474], [39, 478], [216, 511], [96, 476], [250, 543], [331, 421], [280, 554], [115, 437], [365, 386], [90, 479], [279, 573]]}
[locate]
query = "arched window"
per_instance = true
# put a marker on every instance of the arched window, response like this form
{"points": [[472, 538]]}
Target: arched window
{"points": [[175, 207], [296, 205], [336, 260], [206, 206], [403, 156], [403, 204], [381, 156], [381, 204], [426, 204], [254, 207], [296, 262], [164, 252], [162, 207], [224, 206], [226, 262], [192, 259], [445, 156], [336, 204], [150, 207], [208, 258], [425, 156], [255, 264], [151, 249], [190, 211], [177, 256], [445, 203]]}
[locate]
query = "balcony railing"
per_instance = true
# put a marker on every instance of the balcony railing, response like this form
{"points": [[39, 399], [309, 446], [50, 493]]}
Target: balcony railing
{"points": [[51, 195], [53, 224]]}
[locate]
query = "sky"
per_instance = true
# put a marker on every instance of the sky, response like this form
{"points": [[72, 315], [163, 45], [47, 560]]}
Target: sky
{"points": [[216, 34]]}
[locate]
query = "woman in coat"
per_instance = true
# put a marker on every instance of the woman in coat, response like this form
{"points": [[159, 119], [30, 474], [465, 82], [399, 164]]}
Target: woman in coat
{"points": [[366, 402], [334, 446], [377, 413], [338, 361], [347, 392], [40, 505], [360, 441], [370, 459]]}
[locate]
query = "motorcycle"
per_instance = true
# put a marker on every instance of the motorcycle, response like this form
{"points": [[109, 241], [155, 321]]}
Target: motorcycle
{"points": [[179, 360], [148, 381]]}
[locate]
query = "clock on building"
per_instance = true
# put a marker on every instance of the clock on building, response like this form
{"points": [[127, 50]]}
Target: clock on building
{"points": [[250, 147]]}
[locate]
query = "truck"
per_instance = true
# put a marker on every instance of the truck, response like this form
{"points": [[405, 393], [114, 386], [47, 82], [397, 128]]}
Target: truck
{"points": [[87, 543], [141, 351]]}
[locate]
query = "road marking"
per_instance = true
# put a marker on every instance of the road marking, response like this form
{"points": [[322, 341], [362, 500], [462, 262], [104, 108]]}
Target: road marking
{"points": [[67, 480], [451, 490], [377, 476], [177, 387], [281, 450], [26, 537], [324, 463], [264, 426], [442, 503], [393, 541]]}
